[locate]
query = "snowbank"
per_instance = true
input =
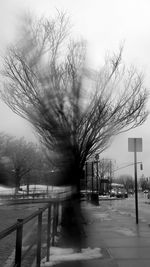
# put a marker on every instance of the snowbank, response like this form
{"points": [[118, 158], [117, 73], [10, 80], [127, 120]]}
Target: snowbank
{"points": [[58, 255]]}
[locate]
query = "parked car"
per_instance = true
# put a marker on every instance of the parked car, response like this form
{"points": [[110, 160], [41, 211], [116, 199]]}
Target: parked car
{"points": [[126, 194], [113, 193], [130, 191], [146, 191], [83, 195], [120, 193], [148, 195]]}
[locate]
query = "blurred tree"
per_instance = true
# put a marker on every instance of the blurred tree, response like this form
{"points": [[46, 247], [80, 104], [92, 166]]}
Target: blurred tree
{"points": [[5, 177], [126, 180], [22, 157], [144, 183], [106, 167], [74, 109]]}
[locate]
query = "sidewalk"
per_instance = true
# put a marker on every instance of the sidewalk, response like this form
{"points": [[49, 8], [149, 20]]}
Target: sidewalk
{"points": [[122, 242]]}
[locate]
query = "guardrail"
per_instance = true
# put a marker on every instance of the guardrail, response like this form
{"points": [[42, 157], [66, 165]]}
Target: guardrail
{"points": [[53, 219]]}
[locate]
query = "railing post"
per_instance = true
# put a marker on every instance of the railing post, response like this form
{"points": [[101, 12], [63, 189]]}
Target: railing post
{"points": [[48, 232], [39, 239], [53, 226], [56, 220], [60, 212], [18, 243]]}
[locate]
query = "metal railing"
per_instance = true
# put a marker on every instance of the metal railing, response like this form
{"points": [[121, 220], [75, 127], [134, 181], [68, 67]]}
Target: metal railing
{"points": [[53, 220]]}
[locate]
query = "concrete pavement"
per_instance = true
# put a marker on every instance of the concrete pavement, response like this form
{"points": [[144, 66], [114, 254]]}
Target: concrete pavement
{"points": [[123, 243]]}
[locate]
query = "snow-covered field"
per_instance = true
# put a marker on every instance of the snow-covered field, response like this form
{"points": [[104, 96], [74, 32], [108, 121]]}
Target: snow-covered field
{"points": [[34, 189], [6, 190]]}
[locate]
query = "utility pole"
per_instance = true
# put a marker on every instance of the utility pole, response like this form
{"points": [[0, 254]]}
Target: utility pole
{"points": [[97, 161], [97, 178], [92, 175], [110, 173], [86, 177]]}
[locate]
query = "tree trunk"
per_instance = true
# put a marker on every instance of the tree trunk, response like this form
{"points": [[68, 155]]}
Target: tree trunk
{"points": [[72, 219], [17, 181]]}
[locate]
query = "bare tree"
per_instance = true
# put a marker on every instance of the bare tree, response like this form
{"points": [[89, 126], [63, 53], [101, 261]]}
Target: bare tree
{"points": [[75, 110], [126, 180], [106, 167], [144, 183], [5, 173], [22, 157]]}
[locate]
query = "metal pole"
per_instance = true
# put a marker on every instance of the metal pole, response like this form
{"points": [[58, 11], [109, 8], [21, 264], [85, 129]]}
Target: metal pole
{"points": [[18, 244], [110, 175], [53, 226], [48, 232], [86, 177], [92, 176], [39, 239], [135, 174], [97, 176], [56, 216]]}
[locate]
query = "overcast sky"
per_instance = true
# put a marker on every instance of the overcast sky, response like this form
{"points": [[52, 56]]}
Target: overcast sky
{"points": [[104, 24]]}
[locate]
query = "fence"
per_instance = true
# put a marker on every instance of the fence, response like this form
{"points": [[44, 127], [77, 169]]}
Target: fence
{"points": [[53, 210]]}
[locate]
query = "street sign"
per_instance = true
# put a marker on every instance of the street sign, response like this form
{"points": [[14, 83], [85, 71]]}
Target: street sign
{"points": [[135, 144]]}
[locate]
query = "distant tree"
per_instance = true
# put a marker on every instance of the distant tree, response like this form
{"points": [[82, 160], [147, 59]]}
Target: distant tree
{"points": [[126, 180], [5, 177], [74, 109], [22, 157], [106, 167], [144, 183]]}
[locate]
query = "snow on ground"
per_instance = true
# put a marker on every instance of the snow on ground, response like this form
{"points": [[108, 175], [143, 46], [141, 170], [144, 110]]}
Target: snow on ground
{"points": [[7, 190], [102, 216], [58, 255], [126, 231], [44, 188], [34, 189]]}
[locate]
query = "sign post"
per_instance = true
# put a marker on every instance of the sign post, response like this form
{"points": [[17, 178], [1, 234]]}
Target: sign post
{"points": [[135, 145], [135, 175]]}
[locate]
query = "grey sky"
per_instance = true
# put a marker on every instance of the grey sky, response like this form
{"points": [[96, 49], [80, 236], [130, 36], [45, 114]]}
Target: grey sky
{"points": [[104, 24]]}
